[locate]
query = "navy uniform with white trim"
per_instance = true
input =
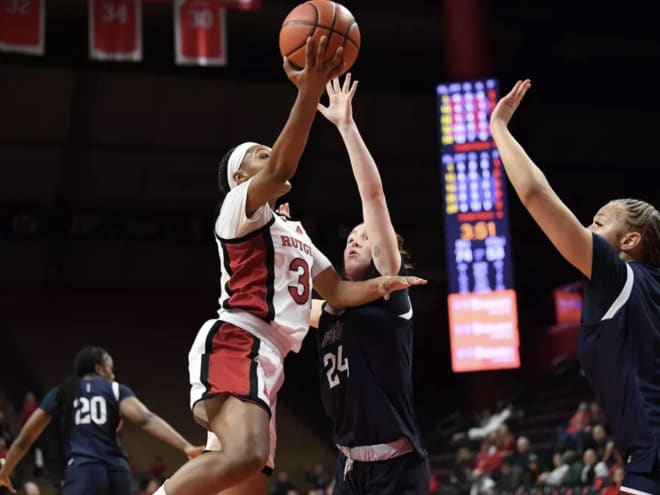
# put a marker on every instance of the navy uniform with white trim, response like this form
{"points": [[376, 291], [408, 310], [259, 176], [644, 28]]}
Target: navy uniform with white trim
{"points": [[619, 347], [95, 459], [366, 388]]}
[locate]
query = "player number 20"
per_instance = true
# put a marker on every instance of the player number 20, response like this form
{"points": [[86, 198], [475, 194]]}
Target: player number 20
{"points": [[94, 410], [335, 364]]}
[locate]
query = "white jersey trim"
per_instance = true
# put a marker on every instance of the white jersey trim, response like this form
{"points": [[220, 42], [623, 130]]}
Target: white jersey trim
{"points": [[624, 295], [115, 390], [632, 491]]}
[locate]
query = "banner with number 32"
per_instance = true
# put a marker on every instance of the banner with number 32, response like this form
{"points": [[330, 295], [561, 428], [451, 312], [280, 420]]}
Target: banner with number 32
{"points": [[22, 26], [200, 32], [115, 30]]}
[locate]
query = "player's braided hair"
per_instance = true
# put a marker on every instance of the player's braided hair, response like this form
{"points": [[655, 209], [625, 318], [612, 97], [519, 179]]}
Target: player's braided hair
{"points": [[643, 217], [84, 363]]}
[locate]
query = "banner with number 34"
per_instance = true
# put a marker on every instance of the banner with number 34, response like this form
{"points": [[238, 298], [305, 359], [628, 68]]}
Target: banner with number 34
{"points": [[115, 30]]}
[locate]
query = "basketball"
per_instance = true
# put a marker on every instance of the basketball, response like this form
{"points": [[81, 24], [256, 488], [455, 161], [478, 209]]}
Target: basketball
{"points": [[318, 18]]}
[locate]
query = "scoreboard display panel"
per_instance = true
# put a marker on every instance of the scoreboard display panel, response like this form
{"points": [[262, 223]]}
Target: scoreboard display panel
{"points": [[483, 319]]}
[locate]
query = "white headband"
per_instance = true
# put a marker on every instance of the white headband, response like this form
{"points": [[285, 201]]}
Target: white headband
{"points": [[235, 160]]}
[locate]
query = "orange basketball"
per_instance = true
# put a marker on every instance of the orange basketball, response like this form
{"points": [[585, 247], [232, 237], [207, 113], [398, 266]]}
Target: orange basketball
{"points": [[317, 18]]}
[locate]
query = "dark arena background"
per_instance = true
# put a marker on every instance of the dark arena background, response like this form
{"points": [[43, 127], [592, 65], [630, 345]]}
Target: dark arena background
{"points": [[108, 193]]}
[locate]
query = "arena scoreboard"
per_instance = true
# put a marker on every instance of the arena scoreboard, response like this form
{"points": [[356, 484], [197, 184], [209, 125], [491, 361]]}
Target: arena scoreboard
{"points": [[483, 320]]}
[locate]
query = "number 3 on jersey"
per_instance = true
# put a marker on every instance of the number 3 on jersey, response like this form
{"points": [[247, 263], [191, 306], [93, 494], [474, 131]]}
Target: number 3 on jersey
{"points": [[300, 292], [337, 364]]}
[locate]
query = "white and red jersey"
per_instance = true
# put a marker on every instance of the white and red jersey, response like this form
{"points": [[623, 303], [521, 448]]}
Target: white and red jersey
{"points": [[267, 263]]}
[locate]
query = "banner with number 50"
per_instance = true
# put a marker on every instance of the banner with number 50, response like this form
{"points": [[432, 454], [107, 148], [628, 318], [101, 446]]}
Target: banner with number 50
{"points": [[115, 30], [200, 32], [22, 26]]}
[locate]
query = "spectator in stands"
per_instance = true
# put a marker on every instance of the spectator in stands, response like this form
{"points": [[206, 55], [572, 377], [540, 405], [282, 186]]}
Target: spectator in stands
{"points": [[521, 459], [509, 478], [578, 423], [504, 440], [282, 486], [601, 443], [615, 484], [488, 459], [491, 424], [533, 473], [461, 477], [594, 472], [556, 476], [158, 468]]}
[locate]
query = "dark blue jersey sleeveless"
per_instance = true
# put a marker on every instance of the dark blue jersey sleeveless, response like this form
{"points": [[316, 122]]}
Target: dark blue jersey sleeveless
{"points": [[619, 347], [94, 421], [366, 371]]}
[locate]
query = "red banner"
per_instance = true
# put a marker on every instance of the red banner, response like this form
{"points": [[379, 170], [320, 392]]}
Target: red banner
{"points": [[115, 30], [200, 32], [240, 4], [22, 26]]}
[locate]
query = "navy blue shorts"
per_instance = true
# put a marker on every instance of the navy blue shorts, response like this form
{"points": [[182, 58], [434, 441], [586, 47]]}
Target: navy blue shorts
{"points": [[405, 475], [640, 484], [85, 478]]}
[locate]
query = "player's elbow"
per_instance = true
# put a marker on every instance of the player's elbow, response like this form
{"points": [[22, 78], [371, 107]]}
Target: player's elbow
{"points": [[532, 193], [145, 419]]}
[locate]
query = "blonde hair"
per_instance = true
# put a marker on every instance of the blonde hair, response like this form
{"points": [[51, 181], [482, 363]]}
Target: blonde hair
{"points": [[643, 216]]}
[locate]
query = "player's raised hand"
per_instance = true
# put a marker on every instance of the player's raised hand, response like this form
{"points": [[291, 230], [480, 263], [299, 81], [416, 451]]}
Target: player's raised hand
{"points": [[4, 481], [389, 284], [340, 97], [317, 72], [508, 104]]}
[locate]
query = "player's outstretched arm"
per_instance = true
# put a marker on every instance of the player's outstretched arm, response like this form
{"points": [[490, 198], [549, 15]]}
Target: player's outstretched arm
{"points": [[135, 411], [290, 144], [32, 429], [564, 230], [345, 294], [377, 222]]}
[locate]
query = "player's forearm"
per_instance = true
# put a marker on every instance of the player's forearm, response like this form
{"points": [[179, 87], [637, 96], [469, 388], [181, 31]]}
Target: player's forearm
{"points": [[350, 294], [16, 452], [525, 177], [363, 164], [160, 429], [290, 144]]}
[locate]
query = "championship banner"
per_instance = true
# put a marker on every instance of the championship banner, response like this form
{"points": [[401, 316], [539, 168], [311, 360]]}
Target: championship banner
{"points": [[22, 26], [200, 33], [115, 30], [240, 4]]}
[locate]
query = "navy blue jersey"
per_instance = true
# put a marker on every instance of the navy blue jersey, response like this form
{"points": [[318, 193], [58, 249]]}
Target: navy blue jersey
{"points": [[94, 421], [366, 371], [619, 347]]}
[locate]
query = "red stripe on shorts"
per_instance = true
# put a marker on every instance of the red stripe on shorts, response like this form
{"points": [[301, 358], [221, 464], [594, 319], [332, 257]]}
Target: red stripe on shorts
{"points": [[228, 364]]}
